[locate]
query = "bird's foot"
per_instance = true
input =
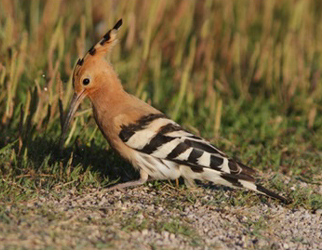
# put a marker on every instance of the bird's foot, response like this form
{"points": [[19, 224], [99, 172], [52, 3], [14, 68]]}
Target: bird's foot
{"points": [[143, 178]]}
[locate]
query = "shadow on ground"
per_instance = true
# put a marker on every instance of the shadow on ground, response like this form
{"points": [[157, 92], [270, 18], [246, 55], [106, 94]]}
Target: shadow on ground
{"points": [[42, 155]]}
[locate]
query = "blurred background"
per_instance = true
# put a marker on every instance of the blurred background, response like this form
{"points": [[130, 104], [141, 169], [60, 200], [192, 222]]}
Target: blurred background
{"points": [[244, 74]]}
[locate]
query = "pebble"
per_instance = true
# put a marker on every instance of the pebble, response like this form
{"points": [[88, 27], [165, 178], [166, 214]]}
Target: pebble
{"points": [[144, 232], [318, 211], [209, 226], [261, 243], [172, 236]]}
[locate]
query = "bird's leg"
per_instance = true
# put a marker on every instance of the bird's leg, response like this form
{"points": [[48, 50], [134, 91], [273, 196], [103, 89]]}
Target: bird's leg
{"points": [[143, 178], [190, 183], [192, 187]]}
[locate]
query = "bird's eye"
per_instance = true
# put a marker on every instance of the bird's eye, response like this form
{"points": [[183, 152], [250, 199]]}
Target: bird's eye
{"points": [[86, 81]]}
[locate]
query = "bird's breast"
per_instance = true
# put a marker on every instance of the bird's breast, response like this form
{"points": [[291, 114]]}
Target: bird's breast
{"points": [[110, 130]]}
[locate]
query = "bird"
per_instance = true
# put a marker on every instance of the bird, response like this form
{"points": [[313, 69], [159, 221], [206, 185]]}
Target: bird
{"points": [[156, 146]]}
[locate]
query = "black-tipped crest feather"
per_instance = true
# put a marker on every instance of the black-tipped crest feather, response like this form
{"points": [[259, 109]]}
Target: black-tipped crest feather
{"points": [[107, 36], [118, 24], [80, 61]]}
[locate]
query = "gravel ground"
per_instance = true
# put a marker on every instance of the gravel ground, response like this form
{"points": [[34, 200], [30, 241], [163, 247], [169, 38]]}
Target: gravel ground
{"points": [[156, 218]]}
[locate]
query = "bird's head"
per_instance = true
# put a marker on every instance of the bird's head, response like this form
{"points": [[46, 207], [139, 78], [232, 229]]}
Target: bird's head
{"points": [[91, 73]]}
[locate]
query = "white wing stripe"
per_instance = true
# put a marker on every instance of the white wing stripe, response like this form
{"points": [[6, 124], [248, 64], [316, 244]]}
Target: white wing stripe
{"points": [[185, 155], [204, 160], [142, 137], [225, 167], [165, 149], [180, 133]]}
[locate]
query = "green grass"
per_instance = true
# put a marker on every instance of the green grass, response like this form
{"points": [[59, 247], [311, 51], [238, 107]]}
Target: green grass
{"points": [[244, 74]]}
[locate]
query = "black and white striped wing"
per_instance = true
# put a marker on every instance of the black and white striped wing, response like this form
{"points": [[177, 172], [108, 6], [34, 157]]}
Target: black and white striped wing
{"points": [[164, 145], [162, 138]]}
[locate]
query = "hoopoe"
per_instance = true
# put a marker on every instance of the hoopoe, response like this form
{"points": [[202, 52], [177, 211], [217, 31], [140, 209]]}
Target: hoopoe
{"points": [[154, 144]]}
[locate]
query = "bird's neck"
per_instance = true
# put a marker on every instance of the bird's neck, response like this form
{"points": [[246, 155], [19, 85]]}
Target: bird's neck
{"points": [[109, 95]]}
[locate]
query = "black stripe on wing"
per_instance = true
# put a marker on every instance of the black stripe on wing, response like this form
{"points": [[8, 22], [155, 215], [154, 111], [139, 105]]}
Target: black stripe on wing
{"points": [[127, 131], [179, 149], [246, 169], [205, 146], [160, 138], [157, 141], [194, 167], [234, 179], [192, 162], [194, 156], [170, 127], [215, 162]]}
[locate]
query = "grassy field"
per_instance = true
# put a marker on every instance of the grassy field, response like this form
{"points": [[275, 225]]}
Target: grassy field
{"points": [[244, 74]]}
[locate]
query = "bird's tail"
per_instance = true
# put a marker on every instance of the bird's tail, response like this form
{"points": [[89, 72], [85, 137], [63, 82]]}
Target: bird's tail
{"points": [[262, 190], [242, 176], [248, 182]]}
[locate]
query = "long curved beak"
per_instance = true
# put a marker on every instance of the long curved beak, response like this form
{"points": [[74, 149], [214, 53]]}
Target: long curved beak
{"points": [[77, 99]]}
